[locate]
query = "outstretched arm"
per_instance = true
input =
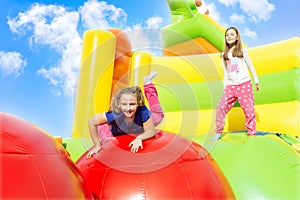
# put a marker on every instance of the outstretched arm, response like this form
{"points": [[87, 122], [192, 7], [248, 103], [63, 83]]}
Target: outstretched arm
{"points": [[149, 133], [93, 123]]}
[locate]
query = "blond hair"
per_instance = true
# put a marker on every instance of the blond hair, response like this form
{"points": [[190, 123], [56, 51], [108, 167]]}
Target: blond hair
{"points": [[134, 91], [238, 50]]}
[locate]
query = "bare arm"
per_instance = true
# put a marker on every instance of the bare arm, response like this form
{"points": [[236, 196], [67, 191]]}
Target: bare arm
{"points": [[93, 123], [149, 133]]}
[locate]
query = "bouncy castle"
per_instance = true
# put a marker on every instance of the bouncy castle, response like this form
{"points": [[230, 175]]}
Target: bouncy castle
{"points": [[180, 162]]}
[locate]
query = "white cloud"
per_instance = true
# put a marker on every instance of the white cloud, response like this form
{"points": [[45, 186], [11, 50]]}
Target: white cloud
{"points": [[11, 63], [100, 15], [213, 13], [229, 2], [235, 18], [137, 38], [53, 26], [56, 27], [154, 22], [249, 33], [145, 39], [257, 10]]}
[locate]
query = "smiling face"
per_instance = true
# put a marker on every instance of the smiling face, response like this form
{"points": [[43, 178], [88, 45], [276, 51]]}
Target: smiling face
{"points": [[231, 37], [128, 105]]}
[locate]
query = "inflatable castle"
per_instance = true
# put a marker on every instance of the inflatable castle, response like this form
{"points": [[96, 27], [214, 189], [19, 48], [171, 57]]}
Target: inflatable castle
{"points": [[179, 162]]}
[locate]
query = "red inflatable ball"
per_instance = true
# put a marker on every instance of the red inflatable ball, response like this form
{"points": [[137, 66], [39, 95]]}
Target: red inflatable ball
{"points": [[34, 165], [168, 167]]}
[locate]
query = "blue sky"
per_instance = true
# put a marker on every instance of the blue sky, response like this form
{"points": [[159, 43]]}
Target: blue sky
{"points": [[40, 44]]}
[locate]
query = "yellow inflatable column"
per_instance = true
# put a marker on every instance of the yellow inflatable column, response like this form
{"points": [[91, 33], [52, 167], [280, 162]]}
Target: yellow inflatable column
{"points": [[141, 65], [94, 85]]}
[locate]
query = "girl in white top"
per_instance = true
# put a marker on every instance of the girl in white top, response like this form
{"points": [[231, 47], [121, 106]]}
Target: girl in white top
{"points": [[237, 83]]}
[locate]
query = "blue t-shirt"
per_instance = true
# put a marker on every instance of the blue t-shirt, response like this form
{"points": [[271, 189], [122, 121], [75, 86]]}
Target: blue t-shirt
{"points": [[119, 125]]}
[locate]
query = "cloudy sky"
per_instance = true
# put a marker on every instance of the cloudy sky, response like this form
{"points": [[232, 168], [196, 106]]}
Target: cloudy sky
{"points": [[40, 44]]}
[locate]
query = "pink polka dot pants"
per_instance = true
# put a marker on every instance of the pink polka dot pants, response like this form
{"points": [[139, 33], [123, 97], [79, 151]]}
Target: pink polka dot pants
{"points": [[244, 94]]}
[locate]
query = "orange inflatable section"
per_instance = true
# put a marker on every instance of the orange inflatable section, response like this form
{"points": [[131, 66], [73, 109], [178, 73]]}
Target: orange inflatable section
{"points": [[123, 56], [191, 47]]}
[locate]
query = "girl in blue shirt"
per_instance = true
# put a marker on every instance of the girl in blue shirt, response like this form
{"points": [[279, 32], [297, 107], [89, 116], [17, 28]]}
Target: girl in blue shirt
{"points": [[128, 115]]}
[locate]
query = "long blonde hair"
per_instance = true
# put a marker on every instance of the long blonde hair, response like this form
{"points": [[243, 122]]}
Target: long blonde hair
{"points": [[238, 50], [134, 91]]}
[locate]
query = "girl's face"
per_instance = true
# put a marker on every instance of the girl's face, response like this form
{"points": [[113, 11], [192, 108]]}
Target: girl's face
{"points": [[231, 36], [128, 104]]}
